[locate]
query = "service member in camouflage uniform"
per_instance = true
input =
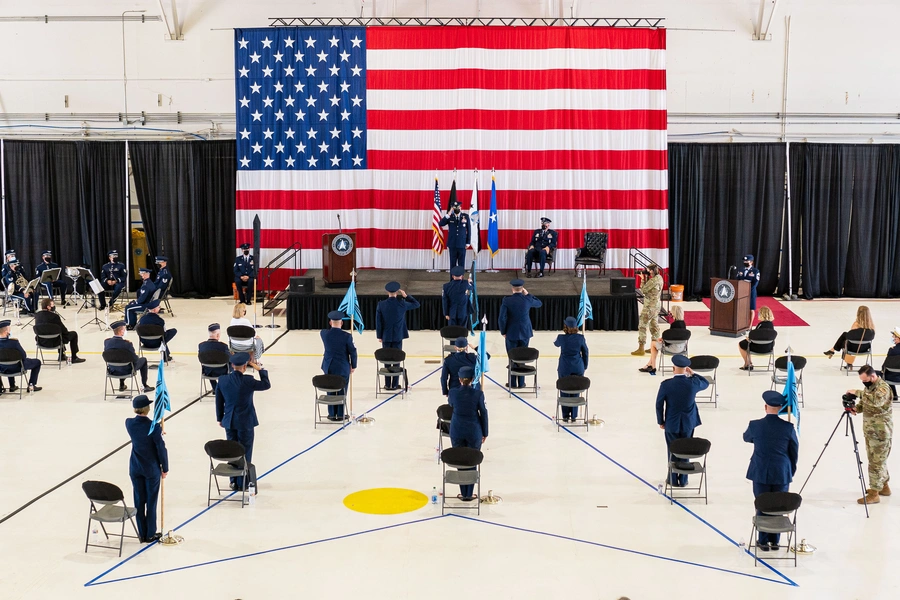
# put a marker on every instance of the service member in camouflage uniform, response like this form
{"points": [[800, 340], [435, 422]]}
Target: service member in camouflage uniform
{"points": [[874, 402], [651, 288]]}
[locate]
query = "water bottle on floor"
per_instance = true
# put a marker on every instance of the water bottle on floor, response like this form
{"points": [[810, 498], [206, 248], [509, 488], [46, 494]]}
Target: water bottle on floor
{"points": [[251, 492], [434, 496]]}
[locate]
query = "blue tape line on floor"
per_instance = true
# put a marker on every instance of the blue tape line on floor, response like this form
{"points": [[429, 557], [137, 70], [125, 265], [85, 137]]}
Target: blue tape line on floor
{"points": [[642, 480]]}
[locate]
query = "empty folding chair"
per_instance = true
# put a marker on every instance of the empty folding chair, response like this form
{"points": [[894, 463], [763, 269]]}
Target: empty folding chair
{"points": [[674, 341], [48, 336], [688, 450], [523, 363], [779, 375], [13, 366], [390, 366], [330, 390], [858, 342], [462, 466], [776, 512], [226, 459], [120, 360], [448, 335], [150, 338], [572, 392], [444, 415], [891, 369], [706, 366], [209, 360], [761, 342], [108, 506]]}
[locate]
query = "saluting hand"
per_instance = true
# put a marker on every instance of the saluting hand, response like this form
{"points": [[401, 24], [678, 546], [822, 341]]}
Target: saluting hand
{"points": [[403, 293], [688, 372]]}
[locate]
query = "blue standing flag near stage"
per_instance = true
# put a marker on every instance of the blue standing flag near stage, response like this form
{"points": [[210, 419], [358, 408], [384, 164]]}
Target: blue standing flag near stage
{"points": [[350, 306], [481, 359], [161, 404], [791, 402], [585, 310], [493, 234]]}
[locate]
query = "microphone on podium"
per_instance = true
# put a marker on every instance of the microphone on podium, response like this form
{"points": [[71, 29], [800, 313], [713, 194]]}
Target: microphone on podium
{"points": [[730, 270], [340, 228]]}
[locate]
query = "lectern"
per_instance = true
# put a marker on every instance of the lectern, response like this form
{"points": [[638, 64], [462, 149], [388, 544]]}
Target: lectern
{"points": [[729, 307], [338, 257]]}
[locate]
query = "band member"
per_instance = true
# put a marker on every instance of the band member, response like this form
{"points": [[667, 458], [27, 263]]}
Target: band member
{"points": [[8, 256], [458, 234], [144, 297], [244, 274], [112, 278], [17, 286], [60, 284], [163, 276]]}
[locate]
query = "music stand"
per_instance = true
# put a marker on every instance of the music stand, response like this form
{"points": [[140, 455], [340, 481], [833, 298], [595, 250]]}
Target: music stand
{"points": [[96, 288], [50, 276], [29, 290]]}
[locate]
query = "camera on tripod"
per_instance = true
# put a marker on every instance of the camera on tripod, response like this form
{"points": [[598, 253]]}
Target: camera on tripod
{"points": [[849, 401]]}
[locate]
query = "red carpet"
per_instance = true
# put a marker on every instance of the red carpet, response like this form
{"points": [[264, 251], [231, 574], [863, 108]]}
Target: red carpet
{"points": [[784, 317]]}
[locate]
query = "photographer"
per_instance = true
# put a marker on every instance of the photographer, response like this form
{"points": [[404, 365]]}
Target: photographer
{"points": [[651, 288], [874, 402]]}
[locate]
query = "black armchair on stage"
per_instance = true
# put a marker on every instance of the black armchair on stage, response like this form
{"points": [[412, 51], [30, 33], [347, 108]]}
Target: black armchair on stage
{"points": [[593, 254]]}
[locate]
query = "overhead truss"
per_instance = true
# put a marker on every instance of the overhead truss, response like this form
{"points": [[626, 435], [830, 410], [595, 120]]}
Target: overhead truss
{"points": [[464, 21]]}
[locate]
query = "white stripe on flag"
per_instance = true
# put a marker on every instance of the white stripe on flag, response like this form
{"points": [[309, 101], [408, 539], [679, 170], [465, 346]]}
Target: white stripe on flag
{"points": [[502, 140], [571, 99], [502, 60]]}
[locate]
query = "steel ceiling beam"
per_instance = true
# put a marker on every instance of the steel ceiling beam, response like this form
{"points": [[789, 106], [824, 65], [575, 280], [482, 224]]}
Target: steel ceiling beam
{"points": [[466, 22]]}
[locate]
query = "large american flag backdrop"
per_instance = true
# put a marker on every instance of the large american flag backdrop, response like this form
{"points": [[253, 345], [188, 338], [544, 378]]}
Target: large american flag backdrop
{"points": [[359, 120]]}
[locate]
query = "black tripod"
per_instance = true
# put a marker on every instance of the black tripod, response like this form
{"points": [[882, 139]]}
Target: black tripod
{"points": [[848, 427]]}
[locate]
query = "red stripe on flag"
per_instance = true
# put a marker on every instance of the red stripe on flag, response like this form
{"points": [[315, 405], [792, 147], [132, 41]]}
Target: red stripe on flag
{"points": [[517, 119], [550, 79], [524, 38], [520, 160], [416, 200]]}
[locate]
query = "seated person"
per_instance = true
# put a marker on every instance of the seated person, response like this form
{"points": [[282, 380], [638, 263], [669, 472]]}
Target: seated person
{"points": [[112, 278], [573, 360], [458, 359], [256, 347], [118, 342], [48, 316], [213, 344], [766, 319], [543, 242], [863, 321], [60, 284], [13, 281], [163, 276], [152, 318], [894, 350], [675, 347], [29, 364], [144, 296]]}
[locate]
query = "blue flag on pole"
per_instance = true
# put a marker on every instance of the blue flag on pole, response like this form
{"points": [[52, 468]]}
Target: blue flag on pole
{"points": [[585, 310], [350, 306], [493, 233], [790, 393], [161, 404], [481, 359]]}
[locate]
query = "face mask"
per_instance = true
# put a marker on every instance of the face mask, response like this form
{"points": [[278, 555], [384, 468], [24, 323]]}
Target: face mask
{"points": [[52, 309], [868, 384], [746, 264], [246, 252], [456, 211], [46, 259], [545, 226]]}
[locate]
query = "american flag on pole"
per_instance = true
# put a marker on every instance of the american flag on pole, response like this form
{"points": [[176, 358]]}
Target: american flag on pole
{"points": [[354, 120], [437, 240]]}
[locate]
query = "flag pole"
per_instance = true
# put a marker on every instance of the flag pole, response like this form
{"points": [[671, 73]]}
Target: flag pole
{"points": [[365, 418], [169, 538], [433, 268], [491, 269]]}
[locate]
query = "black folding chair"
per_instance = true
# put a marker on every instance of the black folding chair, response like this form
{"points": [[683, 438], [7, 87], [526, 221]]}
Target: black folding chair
{"points": [[449, 335], [211, 359], [112, 509], [48, 336], [13, 366], [148, 335], [226, 459], [857, 342], [118, 359]]}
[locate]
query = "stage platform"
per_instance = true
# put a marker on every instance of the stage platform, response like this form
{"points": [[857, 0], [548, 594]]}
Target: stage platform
{"points": [[559, 293]]}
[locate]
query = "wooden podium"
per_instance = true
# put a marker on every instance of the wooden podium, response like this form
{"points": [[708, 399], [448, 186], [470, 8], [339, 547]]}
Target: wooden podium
{"points": [[729, 307], [338, 257]]}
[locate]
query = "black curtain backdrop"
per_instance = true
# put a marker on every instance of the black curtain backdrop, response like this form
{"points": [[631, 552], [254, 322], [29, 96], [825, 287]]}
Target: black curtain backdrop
{"points": [[725, 200], [68, 197], [186, 196]]}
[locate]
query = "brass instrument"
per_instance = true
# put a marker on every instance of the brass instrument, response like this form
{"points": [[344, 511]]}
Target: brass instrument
{"points": [[21, 281]]}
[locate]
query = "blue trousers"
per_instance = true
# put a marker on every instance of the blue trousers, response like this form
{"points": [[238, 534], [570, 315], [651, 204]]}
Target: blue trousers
{"points": [[678, 480], [762, 488], [116, 290], [459, 321], [27, 301], [516, 381], [60, 285], [244, 290], [132, 311], [392, 382], [466, 442], [245, 437], [457, 257], [30, 364], [146, 494], [167, 337], [535, 254], [337, 411]]}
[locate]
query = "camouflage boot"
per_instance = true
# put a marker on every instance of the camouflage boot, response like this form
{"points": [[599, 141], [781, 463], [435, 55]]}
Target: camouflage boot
{"points": [[871, 498], [639, 351], [886, 490]]}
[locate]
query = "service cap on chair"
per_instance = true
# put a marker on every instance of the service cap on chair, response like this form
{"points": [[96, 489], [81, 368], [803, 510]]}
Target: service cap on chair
{"points": [[160, 259], [153, 304], [545, 220], [117, 324], [517, 283], [748, 257], [5, 323], [392, 286], [773, 398], [570, 322], [336, 315], [145, 270], [240, 359], [46, 253], [140, 401], [214, 327], [245, 246], [457, 271], [112, 253], [680, 360], [460, 342], [466, 373]]}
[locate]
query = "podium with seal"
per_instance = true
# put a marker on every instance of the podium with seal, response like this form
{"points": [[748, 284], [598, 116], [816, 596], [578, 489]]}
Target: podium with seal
{"points": [[338, 257], [729, 307]]}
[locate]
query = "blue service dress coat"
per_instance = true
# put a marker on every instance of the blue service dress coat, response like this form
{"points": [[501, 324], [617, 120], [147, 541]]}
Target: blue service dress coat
{"points": [[120, 343], [450, 371], [340, 352], [775, 451], [458, 232], [234, 399], [149, 459], [470, 417], [145, 292], [750, 274], [162, 281], [676, 407], [515, 320], [455, 301], [29, 364], [573, 354], [390, 319], [113, 271], [154, 319], [244, 265], [214, 346]]}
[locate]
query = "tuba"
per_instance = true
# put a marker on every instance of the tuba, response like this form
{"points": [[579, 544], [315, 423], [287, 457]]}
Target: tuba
{"points": [[21, 281]]}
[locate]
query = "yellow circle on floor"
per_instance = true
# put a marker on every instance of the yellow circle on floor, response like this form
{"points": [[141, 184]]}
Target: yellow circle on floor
{"points": [[385, 501]]}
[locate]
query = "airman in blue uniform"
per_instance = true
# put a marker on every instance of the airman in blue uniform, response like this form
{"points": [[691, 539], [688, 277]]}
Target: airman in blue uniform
{"points": [[774, 460], [112, 278], [8, 256], [60, 284], [340, 356], [144, 297], [750, 273], [149, 463], [152, 318], [573, 359], [515, 320], [453, 363], [676, 407], [234, 405], [29, 364], [543, 242], [455, 298], [469, 424], [11, 281], [244, 274], [163, 276], [214, 345], [459, 235], [390, 322], [118, 342]]}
